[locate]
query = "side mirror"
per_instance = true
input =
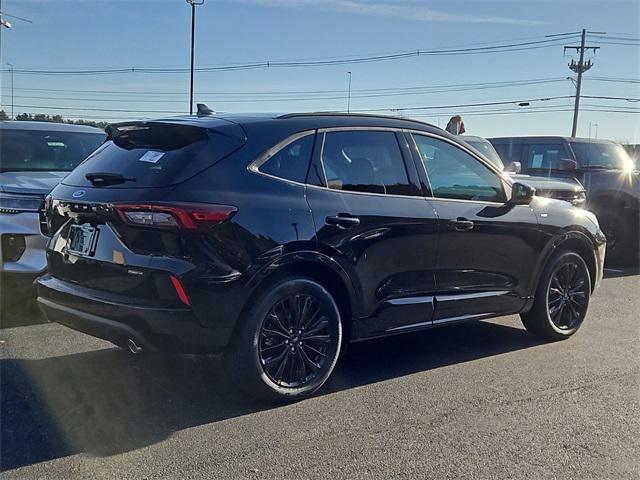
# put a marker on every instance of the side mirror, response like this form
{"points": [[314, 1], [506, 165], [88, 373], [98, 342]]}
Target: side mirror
{"points": [[521, 194], [513, 167], [567, 165]]}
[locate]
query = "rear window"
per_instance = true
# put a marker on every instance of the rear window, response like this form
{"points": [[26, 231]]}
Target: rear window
{"points": [[36, 150], [157, 155]]}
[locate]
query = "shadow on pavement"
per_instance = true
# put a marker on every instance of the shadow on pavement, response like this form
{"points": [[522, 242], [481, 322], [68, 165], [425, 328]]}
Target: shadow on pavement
{"points": [[617, 272], [107, 402]]}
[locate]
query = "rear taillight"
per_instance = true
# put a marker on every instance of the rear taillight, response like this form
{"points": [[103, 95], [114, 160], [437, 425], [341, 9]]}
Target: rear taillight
{"points": [[174, 215]]}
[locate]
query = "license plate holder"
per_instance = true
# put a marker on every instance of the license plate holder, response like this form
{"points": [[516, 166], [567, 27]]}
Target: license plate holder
{"points": [[81, 239]]}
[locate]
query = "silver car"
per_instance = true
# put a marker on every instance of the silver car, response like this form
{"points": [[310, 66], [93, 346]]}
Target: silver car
{"points": [[34, 157]]}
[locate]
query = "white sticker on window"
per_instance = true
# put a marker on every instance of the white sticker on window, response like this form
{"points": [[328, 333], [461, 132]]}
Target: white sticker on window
{"points": [[151, 156]]}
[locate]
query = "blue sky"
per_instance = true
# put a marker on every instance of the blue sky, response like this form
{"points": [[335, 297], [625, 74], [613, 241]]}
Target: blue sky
{"points": [[95, 34]]}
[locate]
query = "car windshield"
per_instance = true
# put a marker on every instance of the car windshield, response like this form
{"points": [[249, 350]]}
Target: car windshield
{"points": [[602, 155], [486, 149], [41, 150]]}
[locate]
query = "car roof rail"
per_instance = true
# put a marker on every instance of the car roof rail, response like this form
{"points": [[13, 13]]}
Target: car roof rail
{"points": [[363, 115]]}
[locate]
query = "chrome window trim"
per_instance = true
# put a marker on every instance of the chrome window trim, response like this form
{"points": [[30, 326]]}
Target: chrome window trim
{"points": [[254, 166], [506, 181], [395, 130]]}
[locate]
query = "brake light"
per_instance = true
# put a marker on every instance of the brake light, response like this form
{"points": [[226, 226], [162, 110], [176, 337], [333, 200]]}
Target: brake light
{"points": [[189, 216]]}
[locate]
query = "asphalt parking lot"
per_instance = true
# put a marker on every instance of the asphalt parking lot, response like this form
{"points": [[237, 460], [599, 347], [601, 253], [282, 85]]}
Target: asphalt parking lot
{"points": [[483, 400]]}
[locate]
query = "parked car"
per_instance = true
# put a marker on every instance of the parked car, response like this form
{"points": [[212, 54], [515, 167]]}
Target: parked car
{"points": [[633, 149], [34, 157], [569, 190], [275, 239], [602, 166]]}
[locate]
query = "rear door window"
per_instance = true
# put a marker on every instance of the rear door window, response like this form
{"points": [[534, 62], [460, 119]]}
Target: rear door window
{"points": [[365, 161], [157, 154], [545, 157]]}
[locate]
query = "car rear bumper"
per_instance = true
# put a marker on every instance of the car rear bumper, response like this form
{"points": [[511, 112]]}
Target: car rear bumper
{"points": [[33, 259], [117, 320]]}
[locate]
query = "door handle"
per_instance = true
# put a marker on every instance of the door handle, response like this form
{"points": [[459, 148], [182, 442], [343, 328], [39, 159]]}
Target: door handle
{"points": [[342, 222], [461, 224]]}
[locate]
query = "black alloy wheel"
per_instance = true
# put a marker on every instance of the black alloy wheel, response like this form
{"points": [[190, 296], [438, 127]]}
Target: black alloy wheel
{"points": [[289, 342], [562, 298], [295, 340], [567, 296]]}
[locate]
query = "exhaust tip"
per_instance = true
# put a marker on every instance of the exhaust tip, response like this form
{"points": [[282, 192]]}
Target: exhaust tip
{"points": [[133, 346]]}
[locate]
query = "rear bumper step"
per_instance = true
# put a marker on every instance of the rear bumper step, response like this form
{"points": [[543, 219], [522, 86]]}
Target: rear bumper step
{"points": [[93, 325], [150, 327]]}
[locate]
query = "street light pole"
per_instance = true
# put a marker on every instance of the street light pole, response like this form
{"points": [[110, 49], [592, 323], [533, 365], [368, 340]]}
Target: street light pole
{"points": [[193, 4], [11, 69], [349, 95]]}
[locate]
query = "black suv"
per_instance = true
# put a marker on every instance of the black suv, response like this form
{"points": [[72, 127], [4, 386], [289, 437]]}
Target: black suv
{"points": [[605, 170], [277, 239]]}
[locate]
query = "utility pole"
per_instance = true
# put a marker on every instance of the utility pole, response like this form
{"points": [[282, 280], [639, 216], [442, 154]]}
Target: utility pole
{"points": [[349, 95], [580, 67], [11, 68], [193, 4]]}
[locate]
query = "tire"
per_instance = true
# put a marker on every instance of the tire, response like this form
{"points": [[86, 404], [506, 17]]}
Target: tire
{"points": [[282, 356], [620, 238], [561, 299]]}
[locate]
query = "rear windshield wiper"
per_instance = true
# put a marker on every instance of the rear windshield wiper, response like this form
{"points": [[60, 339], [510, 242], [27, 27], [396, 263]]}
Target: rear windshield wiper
{"points": [[103, 178]]}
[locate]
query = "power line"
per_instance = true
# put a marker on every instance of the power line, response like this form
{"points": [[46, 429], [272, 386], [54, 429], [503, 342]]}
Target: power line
{"points": [[252, 98], [507, 47], [385, 109], [437, 88]]}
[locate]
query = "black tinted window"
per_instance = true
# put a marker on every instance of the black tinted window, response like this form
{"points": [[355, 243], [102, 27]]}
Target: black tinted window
{"points": [[453, 173], [602, 155], [32, 150], [156, 155], [365, 161], [545, 156], [292, 161], [509, 152]]}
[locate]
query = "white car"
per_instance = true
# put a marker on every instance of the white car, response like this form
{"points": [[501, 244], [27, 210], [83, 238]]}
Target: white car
{"points": [[34, 157]]}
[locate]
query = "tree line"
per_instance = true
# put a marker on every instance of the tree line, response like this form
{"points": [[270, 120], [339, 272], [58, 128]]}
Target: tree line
{"points": [[42, 117]]}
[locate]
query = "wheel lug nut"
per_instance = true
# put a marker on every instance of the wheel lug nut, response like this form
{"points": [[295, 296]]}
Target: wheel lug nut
{"points": [[286, 342]]}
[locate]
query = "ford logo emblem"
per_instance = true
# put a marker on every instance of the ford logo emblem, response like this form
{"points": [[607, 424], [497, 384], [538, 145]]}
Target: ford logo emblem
{"points": [[78, 194]]}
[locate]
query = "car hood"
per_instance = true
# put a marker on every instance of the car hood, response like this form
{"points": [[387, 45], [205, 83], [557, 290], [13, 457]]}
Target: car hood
{"points": [[549, 184], [34, 183]]}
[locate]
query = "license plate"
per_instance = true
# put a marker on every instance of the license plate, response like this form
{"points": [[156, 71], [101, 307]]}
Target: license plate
{"points": [[81, 239]]}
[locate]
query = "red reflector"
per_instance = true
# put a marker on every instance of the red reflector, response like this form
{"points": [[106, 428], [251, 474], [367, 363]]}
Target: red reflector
{"points": [[182, 295], [187, 215]]}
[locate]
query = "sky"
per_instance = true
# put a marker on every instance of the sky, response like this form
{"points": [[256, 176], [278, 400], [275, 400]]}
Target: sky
{"points": [[91, 35]]}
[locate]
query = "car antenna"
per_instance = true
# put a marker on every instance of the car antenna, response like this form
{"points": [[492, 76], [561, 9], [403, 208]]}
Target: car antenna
{"points": [[204, 110]]}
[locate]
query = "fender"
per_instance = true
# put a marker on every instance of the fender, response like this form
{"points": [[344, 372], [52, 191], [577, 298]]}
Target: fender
{"points": [[574, 232], [284, 260]]}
